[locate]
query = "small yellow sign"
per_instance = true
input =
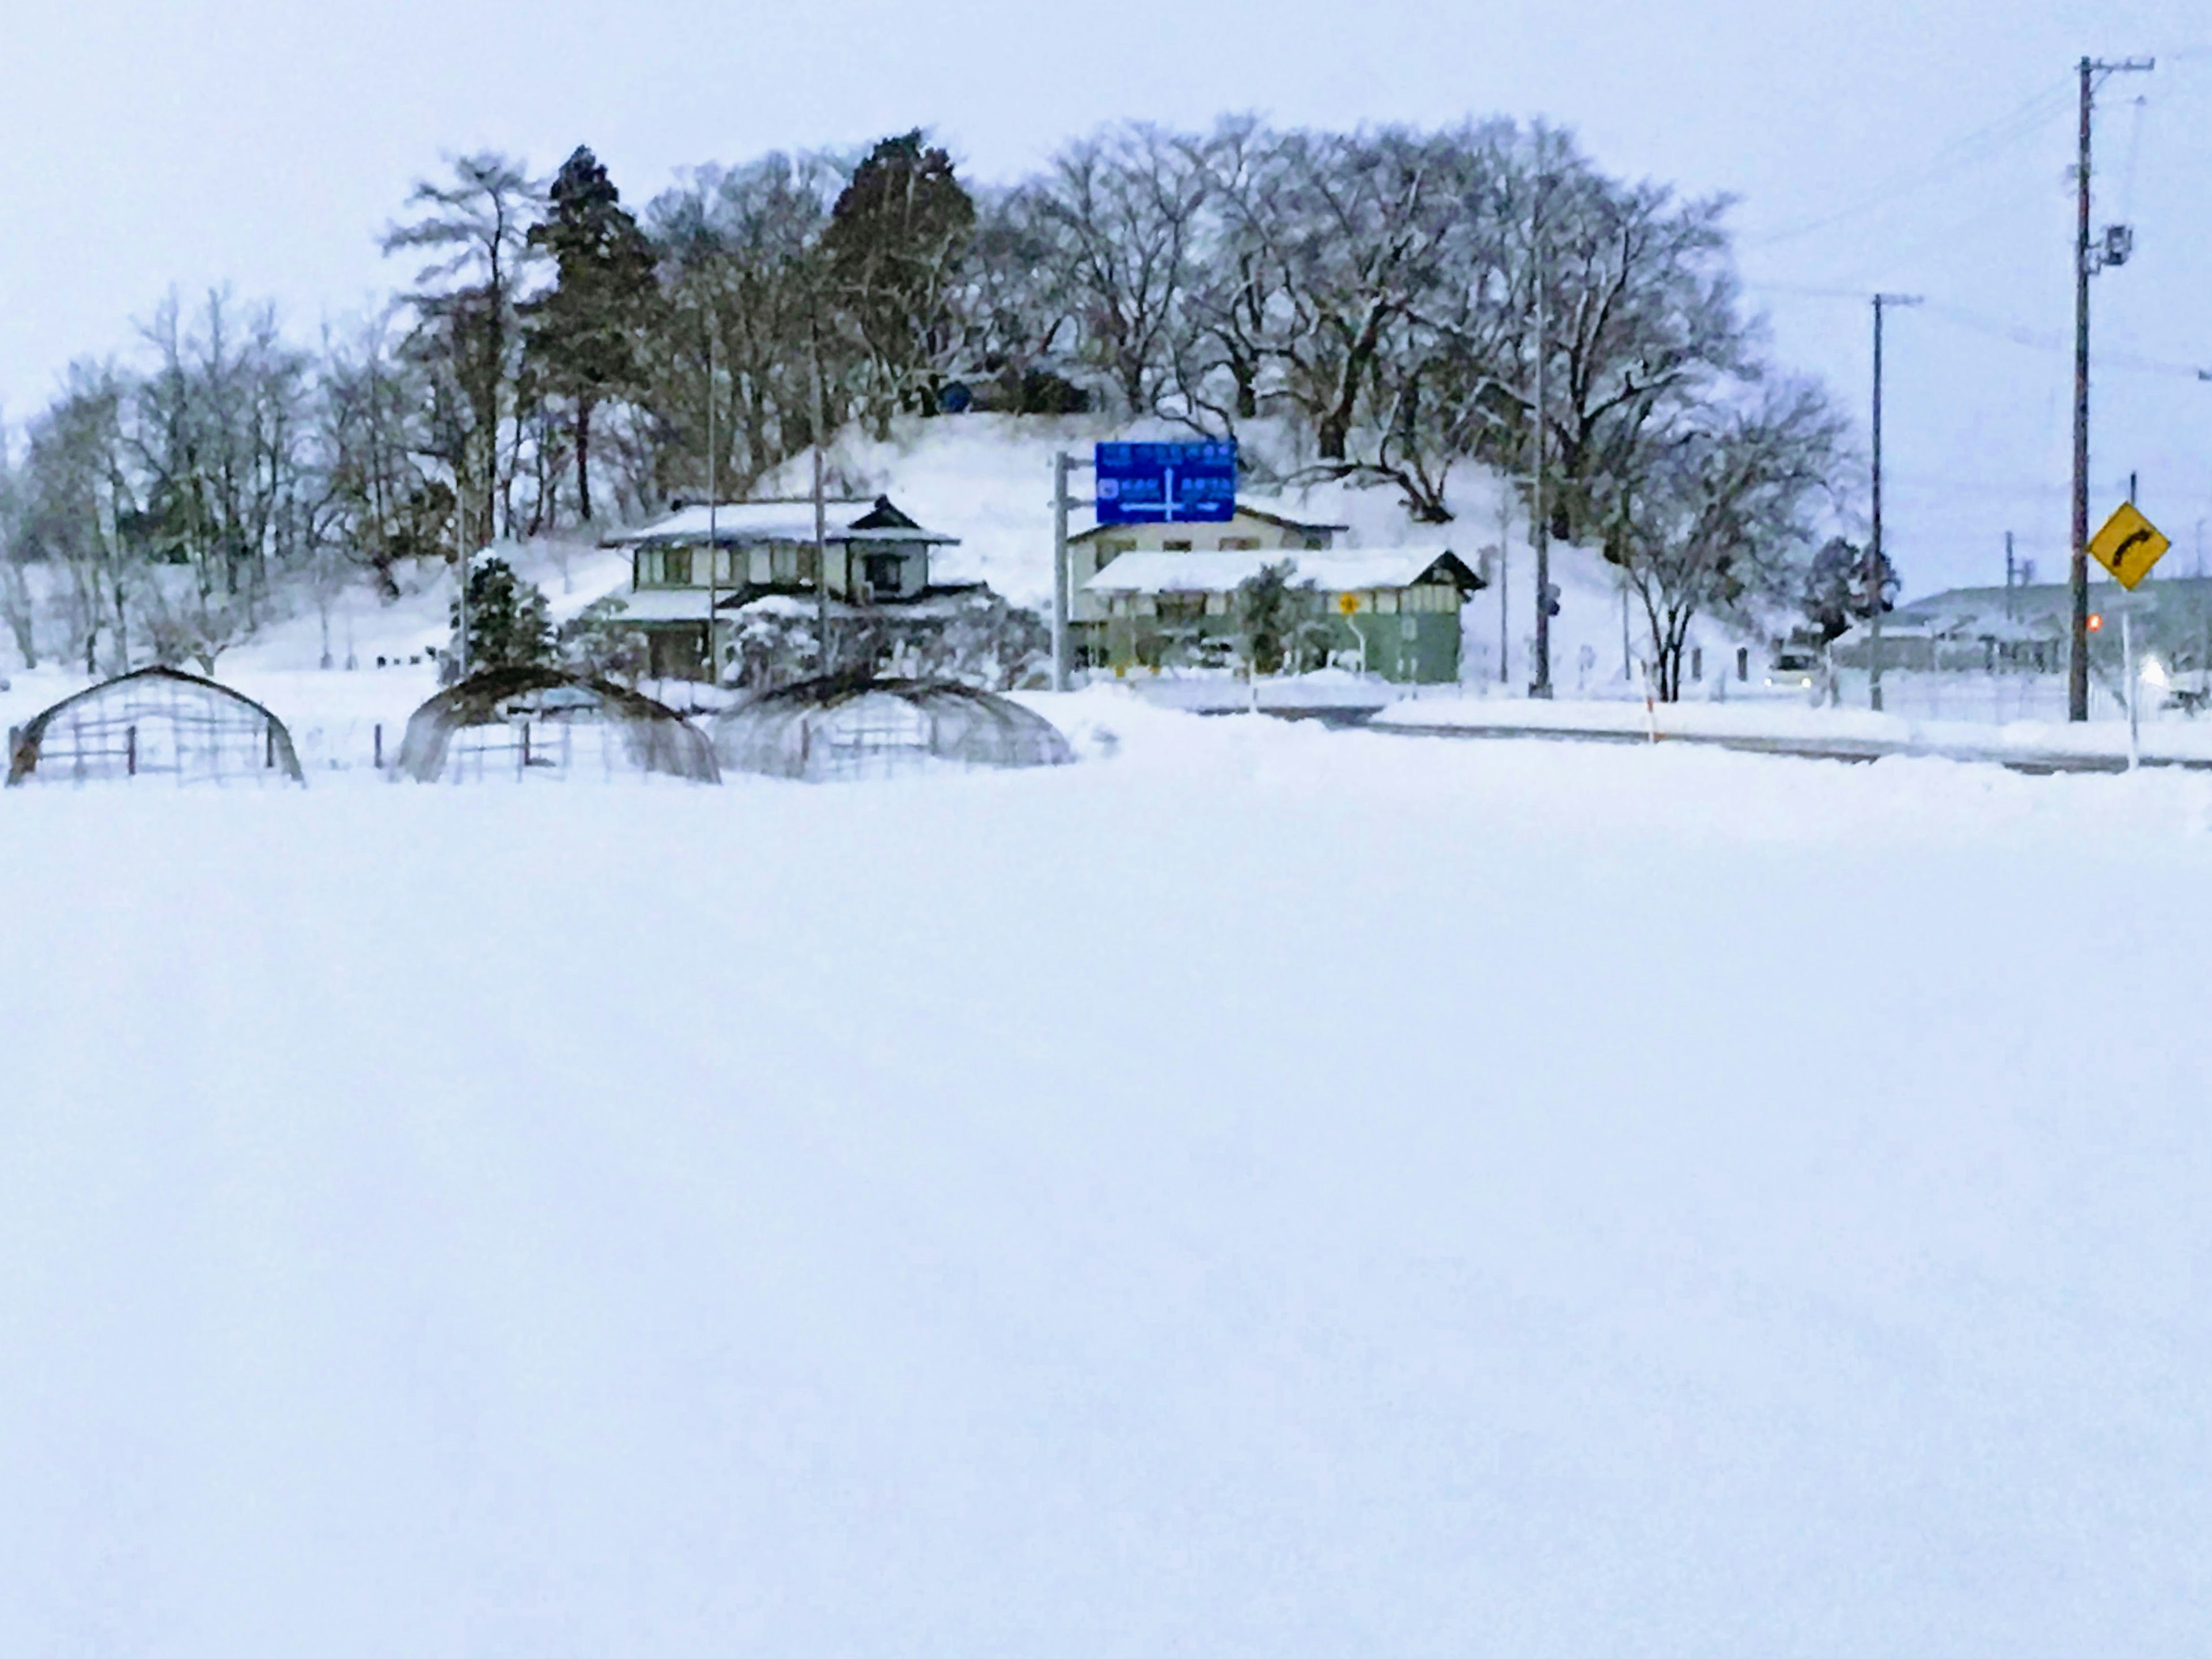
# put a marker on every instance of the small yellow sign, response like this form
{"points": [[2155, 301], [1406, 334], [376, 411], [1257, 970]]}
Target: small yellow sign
{"points": [[1347, 603], [2128, 545]]}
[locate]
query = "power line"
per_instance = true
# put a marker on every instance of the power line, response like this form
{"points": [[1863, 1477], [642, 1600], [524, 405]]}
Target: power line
{"points": [[2044, 340], [1996, 327], [1984, 142]]}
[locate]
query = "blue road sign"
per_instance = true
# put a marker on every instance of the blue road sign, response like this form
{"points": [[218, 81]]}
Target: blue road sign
{"points": [[1175, 484]]}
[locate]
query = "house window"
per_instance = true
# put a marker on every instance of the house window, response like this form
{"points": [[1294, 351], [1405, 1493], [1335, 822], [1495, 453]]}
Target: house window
{"points": [[884, 572], [675, 566], [1239, 543], [1181, 607], [1175, 547]]}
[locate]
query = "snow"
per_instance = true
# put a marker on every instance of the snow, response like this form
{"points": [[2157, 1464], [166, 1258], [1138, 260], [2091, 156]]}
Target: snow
{"points": [[766, 521], [1262, 1190], [1788, 716], [1220, 573], [988, 479]]}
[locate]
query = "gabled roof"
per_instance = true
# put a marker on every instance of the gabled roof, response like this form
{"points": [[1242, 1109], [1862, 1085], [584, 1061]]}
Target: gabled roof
{"points": [[739, 523], [1333, 573], [1243, 511]]}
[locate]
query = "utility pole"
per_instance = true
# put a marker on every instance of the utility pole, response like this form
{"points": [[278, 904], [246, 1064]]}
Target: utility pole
{"points": [[713, 501], [461, 521], [821, 525], [2088, 263], [1873, 542], [1540, 537], [2009, 579], [1505, 574]]}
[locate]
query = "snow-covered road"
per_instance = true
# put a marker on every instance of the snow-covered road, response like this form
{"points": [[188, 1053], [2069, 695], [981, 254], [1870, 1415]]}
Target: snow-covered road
{"points": [[1271, 1192]]}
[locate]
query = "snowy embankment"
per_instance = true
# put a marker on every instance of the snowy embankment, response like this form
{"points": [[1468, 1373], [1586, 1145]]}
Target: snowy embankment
{"points": [[1789, 720], [1270, 1192]]}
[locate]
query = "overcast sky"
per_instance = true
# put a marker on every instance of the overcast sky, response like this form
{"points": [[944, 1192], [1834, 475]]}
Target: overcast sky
{"points": [[1915, 145]]}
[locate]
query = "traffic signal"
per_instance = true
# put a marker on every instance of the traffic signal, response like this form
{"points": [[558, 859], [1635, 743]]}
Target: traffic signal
{"points": [[2096, 621], [1549, 600]]}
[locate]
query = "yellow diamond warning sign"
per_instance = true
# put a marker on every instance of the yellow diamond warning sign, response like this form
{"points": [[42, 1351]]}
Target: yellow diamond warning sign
{"points": [[2128, 545]]}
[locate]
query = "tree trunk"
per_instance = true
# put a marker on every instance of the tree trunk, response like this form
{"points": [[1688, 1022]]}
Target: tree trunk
{"points": [[584, 457]]}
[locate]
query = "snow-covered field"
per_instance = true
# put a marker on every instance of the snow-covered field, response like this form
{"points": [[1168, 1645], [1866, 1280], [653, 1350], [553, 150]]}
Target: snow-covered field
{"points": [[1262, 1190]]}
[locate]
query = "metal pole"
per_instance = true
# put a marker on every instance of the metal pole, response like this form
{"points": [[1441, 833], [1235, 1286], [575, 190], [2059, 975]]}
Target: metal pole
{"points": [[1505, 572], [2128, 660], [1059, 597], [1873, 542], [821, 528], [1539, 531], [1874, 563], [461, 519], [713, 526]]}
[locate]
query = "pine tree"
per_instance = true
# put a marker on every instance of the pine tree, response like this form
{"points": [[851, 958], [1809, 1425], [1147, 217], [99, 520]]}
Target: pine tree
{"points": [[584, 332], [508, 623], [1835, 595]]}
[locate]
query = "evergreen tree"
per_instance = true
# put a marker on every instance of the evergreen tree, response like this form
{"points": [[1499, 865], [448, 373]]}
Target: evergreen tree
{"points": [[897, 239], [1835, 588], [585, 331], [508, 623], [1273, 612]]}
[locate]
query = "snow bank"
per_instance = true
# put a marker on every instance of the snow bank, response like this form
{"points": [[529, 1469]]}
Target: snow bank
{"points": [[1268, 1192], [2174, 739]]}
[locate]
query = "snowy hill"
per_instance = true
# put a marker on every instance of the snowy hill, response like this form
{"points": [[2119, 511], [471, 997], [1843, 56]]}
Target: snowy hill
{"points": [[988, 479]]}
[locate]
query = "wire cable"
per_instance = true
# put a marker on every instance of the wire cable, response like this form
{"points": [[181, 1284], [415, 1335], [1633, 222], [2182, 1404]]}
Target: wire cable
{"points": [[1991, 139]]}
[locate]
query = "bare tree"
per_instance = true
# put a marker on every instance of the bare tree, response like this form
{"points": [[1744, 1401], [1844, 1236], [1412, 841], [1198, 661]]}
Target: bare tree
{"points": [[1123, 209], [75, 495], [747, 296], [18, 604], [475, 231], [1719, 514]]}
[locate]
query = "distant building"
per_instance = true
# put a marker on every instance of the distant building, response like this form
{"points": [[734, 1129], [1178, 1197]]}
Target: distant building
{"points": [[1249, 530], [877, 557], [2028, 630], [1395, 610]]}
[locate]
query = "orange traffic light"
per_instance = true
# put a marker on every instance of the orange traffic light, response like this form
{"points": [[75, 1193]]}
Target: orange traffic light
{"points": [[2096, 621]]}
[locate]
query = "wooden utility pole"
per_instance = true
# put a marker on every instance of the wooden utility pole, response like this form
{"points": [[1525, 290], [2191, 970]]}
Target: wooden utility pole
{"points": [[2086, 264]]}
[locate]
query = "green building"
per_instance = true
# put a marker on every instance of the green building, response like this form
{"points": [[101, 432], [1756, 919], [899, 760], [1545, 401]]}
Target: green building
{"points": [[1391, 611]]}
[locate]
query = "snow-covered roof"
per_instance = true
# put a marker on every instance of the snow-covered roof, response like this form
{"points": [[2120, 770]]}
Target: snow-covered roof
{"points": [[737, 523], [1220, 573], [659, 605], [1244, 510]]}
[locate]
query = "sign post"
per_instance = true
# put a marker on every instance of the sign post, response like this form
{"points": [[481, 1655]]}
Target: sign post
{"points": [[1138, 484], [1063, 464], [2128, 546]]}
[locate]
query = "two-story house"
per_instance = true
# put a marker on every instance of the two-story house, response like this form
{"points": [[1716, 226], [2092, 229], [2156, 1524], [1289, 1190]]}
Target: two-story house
{"points": [[736, 552], [1246, 531]]}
